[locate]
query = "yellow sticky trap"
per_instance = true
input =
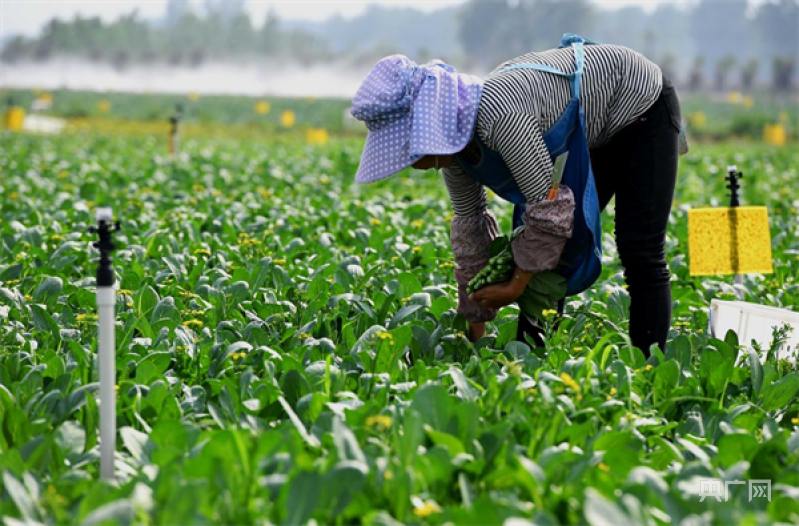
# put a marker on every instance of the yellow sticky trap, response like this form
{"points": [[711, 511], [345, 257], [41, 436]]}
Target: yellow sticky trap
{"points": [[729, 241], [774, 134], [15, 118]]}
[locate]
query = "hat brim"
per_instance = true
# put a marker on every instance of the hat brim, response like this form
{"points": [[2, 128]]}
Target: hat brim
{"points": [[385, 152]]}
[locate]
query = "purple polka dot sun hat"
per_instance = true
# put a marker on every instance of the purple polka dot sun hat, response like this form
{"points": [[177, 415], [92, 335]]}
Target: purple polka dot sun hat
{"points": [[411, 111]]}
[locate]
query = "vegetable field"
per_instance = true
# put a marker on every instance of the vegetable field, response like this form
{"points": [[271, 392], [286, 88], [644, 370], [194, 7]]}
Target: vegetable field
{"points": [[265, 306]]}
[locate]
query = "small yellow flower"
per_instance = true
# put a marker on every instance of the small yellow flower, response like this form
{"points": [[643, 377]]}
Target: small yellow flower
{"points": [[388, 475], [418, 223], [125, 292], [116, 387], [604, 467], [549, 312], [374, 221], [426, 508], [324, 179], [417, 249], [699, 119], [262, 107], [532, 391], [287, 119], [648, 367], [193, 323], [578, 349], [86, 318], [394, 258], [383, 335], [569, 381], [202, 252], [795, 420], [56, 238], [63, 174], [612, 391], [381, 422], [280, 261]]}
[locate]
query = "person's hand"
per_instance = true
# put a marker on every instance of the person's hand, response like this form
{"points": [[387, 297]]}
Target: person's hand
{"points": [[476, 331], [497, 295]]}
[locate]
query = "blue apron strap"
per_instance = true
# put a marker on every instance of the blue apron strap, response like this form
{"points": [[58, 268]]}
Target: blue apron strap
{"points": [[574, 78], [570, 38], [579, 61], [538, 67]]}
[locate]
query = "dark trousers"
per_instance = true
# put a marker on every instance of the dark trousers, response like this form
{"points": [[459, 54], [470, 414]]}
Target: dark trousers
{"points": [[639, 167]]}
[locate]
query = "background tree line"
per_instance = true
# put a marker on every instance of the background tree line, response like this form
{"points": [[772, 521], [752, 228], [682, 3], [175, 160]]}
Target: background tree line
{"points": [[714, 44]]}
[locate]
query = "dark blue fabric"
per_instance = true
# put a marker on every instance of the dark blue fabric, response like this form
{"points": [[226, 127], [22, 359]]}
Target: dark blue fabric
{"points": [[581, 261]]}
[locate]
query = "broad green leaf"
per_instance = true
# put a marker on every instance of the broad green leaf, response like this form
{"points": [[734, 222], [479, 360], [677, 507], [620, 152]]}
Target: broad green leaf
{"points": [[20, 496], [780, 393], [302, 496], [145, 301], [450, 442], [435, 406], [346, 444], [599, 511], [757, 373], [345, 481], [735, 448], [403, 313], [49, 291], [44, 322]]}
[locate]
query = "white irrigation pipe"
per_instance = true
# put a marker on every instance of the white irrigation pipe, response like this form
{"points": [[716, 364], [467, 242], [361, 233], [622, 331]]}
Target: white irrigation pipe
{"points": [[106, 299], [106, 302]]}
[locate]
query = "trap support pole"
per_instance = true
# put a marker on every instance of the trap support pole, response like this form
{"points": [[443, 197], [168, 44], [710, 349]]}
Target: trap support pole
{"points": [[732, 176]]}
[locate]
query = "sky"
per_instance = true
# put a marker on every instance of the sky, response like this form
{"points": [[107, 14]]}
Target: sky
{"points": [[27, 17]]}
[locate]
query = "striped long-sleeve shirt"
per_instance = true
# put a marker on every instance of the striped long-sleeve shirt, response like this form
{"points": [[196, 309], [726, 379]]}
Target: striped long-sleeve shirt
{"points": [[517, 107]]}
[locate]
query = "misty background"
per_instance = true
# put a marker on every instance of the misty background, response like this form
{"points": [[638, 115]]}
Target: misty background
{"points": [[220, 46]]}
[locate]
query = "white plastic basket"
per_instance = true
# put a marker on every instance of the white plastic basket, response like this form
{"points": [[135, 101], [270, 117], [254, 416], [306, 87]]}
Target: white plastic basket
{"points": [[754, 322]]}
